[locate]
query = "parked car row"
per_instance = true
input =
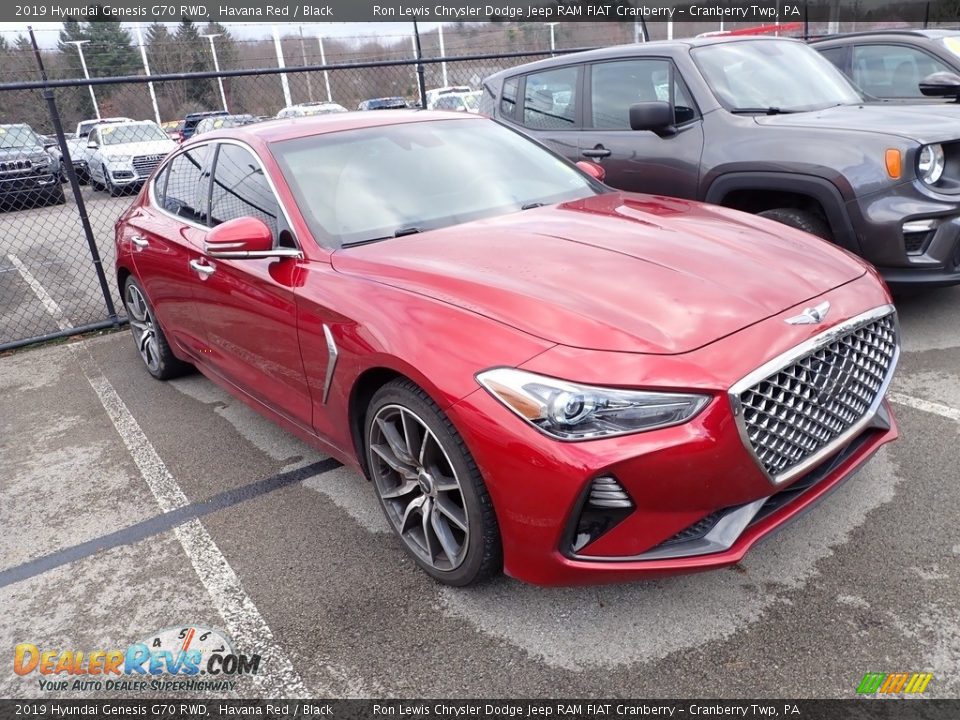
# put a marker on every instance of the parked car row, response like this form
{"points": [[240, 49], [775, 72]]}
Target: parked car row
{"points": [[29, 175]]}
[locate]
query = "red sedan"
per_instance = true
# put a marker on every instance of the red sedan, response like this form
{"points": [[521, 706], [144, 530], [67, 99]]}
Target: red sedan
{"points": [[538, 374]]}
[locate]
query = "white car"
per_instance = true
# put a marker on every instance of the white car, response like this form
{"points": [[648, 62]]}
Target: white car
{"points": [[122, 155], [310, 108], [77, 145], [459, 102], [436, 93]]}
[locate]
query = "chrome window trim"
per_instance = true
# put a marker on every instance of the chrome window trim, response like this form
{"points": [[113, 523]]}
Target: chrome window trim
{"points": [[212, 142], [792, 356]]}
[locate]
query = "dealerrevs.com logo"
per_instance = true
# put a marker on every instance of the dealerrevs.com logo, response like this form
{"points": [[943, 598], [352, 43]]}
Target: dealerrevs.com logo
{"points": [[172, 659]]}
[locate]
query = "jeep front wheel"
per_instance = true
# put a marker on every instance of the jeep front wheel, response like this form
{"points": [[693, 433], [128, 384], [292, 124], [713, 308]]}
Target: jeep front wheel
{"points": [[801, 220]]}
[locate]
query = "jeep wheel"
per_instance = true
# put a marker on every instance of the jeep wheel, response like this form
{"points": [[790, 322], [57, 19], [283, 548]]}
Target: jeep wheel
{"points": [[801, 220]]}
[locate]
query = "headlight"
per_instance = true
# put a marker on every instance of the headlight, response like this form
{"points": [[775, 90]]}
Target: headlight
{"points": [[569, 411], [930, 163]]}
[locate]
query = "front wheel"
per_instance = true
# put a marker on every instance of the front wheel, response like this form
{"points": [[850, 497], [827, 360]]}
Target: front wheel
{"points": [[801, 220], [429, 486], [151, 342]]}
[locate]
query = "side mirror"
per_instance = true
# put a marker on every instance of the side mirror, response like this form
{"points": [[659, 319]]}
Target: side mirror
{"points": [[244, 237], [941, 84], [655, 115], [92, 144], [47, 144], [592, 169]]}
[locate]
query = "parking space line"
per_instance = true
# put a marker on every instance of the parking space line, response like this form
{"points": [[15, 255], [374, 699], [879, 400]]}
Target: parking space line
{"points": [[164, 522], [243, 620], [42, 295], [927, 406]]}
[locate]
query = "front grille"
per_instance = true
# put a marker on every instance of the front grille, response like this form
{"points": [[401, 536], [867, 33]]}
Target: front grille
{"points": [[914, 243], [799, 410], [8, 166], [144, 164]]}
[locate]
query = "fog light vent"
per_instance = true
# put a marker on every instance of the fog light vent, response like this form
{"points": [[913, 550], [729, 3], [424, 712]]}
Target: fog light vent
{"points": [[605, 492], [606, 505]]}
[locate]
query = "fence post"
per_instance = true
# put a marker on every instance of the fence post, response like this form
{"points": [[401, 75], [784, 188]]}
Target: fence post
{"points": [[420, 82], [74, 183]]}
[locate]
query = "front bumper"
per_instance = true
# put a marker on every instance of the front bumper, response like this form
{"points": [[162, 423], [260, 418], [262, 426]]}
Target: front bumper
{"points": [[27, 185], [685, 481], [927, 258]]}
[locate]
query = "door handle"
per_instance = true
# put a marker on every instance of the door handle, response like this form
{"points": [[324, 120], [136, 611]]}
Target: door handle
{"points": [[597, 152], [139, 241], [202, 269]]}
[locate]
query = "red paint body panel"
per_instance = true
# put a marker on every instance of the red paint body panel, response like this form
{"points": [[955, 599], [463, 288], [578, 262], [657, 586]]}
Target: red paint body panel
{"points": [[617, 290]]}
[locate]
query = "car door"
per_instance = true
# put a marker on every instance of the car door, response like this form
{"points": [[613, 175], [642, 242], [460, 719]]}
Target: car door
{"points": [[550, 111], [664, 163], [248, 305], [166, 238]]}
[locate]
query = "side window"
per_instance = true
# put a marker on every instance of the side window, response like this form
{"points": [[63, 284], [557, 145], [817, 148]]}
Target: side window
{"points": [[834, 55], [615, 86], [160, 185], [240, 189], [93, 136], [186, 189], [508, 99], [893, 71], [550, 99]]}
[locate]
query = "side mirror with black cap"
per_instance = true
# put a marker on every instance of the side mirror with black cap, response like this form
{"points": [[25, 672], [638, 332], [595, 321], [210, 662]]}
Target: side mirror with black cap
{"points": [[941, 84], [656, 116]]}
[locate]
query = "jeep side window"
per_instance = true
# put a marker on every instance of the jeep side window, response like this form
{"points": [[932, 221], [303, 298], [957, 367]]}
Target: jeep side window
{"points": [[893, 71], [550, 99], [615, 86], [508, 98]]}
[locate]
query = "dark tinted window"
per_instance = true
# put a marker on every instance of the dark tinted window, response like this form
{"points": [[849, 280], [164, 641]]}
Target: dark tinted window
{"points": [[550, 99], [508, 100], [834, 55], [240, 189], [615, 86], [185, 193], [893, 70]]}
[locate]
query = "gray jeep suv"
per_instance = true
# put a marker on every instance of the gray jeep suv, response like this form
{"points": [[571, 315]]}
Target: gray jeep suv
{"points": [[763, 125]]}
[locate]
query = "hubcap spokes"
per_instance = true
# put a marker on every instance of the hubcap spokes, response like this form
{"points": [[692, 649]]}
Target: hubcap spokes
{"points": [[419, 487], [143, 328]]}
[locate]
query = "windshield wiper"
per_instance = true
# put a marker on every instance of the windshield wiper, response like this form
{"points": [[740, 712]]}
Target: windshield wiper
{"points": [[532, 205], [762, 111], [407, 231]]}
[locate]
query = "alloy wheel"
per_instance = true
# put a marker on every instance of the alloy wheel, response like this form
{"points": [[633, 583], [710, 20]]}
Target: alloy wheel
{"points": [[418, 487], [143, 327]]}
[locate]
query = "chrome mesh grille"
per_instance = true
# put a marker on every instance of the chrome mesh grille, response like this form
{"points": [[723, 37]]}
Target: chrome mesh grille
{"points": [[144, 164], [797, 411]]}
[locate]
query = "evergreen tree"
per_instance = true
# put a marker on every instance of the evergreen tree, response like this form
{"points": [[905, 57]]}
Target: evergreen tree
{"points": [[195, 58]]}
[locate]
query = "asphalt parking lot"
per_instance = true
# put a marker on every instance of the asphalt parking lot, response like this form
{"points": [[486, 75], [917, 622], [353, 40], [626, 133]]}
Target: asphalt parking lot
{"points": [[131, 505], [46, 246]]}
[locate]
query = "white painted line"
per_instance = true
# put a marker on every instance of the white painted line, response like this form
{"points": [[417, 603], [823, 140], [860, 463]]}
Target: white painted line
{"points": [[245, 623], [927, 406], [48, 302]]}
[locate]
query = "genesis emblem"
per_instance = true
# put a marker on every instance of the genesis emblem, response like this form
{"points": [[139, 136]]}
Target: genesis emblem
{"points": [[811, 315]]}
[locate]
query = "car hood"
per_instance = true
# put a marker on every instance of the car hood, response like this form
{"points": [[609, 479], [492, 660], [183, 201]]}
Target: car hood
{"points": [[29, 152], [619, 272], [151, 147], [913, 122]]}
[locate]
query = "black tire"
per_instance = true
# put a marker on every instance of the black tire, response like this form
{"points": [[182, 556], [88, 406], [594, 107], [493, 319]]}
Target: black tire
{"points": [[108, 185], [481, 546], [801, 220], [162, 364]]}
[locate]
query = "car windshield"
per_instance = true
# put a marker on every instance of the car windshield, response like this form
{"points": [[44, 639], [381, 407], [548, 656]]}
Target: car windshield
{"points": [[773, 76], [17, 136], [952, 43], [380, 182], [131, 133]]}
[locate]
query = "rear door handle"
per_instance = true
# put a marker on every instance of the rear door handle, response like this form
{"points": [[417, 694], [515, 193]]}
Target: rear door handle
{"points": [[597, 152], [202, 269], [140, 241]]}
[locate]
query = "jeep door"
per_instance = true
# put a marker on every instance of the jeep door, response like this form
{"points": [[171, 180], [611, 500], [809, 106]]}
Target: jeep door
{"points": [[662, 162]]}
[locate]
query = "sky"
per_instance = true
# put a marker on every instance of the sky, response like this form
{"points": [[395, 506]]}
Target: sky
{"points": [[48, 32]]}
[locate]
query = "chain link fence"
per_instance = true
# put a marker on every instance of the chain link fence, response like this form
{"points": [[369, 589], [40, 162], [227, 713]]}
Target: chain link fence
{"points": [[61, 193]]}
